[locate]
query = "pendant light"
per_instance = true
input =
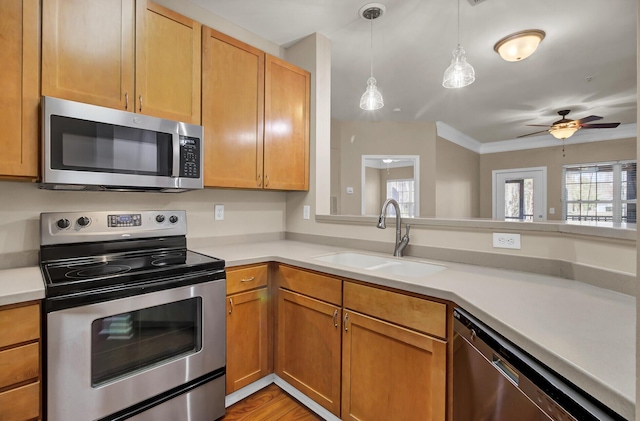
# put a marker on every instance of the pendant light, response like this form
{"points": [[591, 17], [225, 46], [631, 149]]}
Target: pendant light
{"points": [[372, 98], [460, 73]]}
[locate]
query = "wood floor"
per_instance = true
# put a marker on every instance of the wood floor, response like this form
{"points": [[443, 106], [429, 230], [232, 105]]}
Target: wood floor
{"points": [[269, 404]]}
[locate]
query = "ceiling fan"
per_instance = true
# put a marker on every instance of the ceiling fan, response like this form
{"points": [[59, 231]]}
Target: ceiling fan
{"points": [[565, 128]]}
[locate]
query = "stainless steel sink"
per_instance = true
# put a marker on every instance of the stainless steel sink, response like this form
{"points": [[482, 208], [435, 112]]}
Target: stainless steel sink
{"points": [[390, 265]]}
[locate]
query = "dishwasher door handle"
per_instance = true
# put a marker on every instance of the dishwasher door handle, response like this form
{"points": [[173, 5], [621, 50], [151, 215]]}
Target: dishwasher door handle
{"points": [[506, 369]]}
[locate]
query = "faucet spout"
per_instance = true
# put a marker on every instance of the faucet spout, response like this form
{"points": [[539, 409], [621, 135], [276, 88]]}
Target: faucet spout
{"points": [[401, 242]]}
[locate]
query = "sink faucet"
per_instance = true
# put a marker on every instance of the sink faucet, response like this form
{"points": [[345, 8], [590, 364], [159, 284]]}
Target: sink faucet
{"points": [[401, 242]]}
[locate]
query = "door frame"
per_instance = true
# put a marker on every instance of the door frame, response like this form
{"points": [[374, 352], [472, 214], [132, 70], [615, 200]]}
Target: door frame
{"points": [[539, 173]]}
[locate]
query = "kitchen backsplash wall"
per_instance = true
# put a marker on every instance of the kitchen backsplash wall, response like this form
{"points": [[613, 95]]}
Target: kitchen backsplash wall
{"points": [[247, 214]]}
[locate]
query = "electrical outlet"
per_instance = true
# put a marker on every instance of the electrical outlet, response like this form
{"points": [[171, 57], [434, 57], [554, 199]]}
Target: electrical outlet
{"points": [[219, 212], [306, 212], [506, 241]]}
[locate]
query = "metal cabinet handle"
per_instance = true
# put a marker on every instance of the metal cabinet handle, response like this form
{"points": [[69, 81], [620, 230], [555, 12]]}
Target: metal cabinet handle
{"points": [[266, 181], [140, 98], [126, 100], [248, 279], [335, 318], [346, 322], [259, 180], [230, 305]]}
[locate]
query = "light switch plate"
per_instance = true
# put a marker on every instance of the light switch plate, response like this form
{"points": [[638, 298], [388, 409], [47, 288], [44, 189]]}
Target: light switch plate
{"points": [[219, 212], [349, 190], [306, 212]]}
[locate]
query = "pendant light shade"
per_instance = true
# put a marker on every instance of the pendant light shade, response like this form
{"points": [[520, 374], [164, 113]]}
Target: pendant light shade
{"points": [[460, 73], [372, 98]]}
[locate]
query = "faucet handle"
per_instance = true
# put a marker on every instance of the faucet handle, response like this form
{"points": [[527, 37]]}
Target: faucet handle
{"points": [[407, 231]]}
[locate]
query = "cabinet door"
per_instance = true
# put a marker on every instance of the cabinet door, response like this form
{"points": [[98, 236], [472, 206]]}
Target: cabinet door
{"points": [[233, 111], [87, 51], [286, 132], [391, 373], [308, 347], [167, 64], [247, 338], [19, 84]]}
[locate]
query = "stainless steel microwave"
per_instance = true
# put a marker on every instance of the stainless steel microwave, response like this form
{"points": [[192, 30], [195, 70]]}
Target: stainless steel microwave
{"points": [[86, 147]]}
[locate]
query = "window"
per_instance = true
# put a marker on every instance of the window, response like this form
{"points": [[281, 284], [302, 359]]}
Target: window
{"points": [[600, 192], [403, 191]]}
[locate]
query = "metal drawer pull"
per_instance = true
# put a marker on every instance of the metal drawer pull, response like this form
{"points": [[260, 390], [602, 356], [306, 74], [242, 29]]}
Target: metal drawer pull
{"points": [[335, 318], [248, 279], [259, 180], [266, 181], [126, 100], [230, 305], [140, 98], [346, 322]]}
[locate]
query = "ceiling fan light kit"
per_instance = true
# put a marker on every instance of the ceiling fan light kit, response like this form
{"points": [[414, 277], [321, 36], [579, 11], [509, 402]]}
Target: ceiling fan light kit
{"points": [[459, 73], [372, 98], [562, 133], [520, 45]]}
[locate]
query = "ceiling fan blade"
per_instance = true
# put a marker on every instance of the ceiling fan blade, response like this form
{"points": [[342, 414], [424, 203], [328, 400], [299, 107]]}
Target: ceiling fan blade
{"points": [[588, 119], [538, 125], [600, 126], [534, 133]]}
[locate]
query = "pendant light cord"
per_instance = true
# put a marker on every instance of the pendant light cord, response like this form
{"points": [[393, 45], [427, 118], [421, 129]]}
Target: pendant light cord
{"points": [[371, 19]]}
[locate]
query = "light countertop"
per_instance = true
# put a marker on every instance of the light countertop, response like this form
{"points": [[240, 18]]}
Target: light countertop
{"points": [[586, 334]]}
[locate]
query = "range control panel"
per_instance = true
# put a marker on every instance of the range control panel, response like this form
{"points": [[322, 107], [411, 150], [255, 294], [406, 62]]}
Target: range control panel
{"points": [[74, 227]]}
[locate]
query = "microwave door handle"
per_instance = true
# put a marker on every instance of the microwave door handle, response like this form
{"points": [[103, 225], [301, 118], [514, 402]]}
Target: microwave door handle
{"points": [[175, 142]]}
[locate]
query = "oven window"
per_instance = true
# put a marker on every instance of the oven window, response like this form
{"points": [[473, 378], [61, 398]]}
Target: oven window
{"points": [[83, 145], [123, 344]]}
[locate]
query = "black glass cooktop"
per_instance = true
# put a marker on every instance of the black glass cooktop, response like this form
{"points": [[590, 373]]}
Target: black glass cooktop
{"points": [[120, 269]]}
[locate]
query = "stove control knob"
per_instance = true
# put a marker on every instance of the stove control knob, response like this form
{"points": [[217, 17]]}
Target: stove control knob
{"points": [[83, 221], [160, 218], [173, 219], [63, 223]]}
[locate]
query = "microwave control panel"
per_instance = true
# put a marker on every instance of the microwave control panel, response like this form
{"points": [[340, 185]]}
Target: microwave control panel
{"points": [[189, 157]]}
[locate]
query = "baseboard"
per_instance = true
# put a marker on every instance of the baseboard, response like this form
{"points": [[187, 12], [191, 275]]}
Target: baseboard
{"points": [[252, 388]]}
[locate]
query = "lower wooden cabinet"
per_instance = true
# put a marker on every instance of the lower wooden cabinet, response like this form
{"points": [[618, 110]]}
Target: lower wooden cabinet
{"points": [[248, 330], [20, 362], [391, 373], [308, 347]]}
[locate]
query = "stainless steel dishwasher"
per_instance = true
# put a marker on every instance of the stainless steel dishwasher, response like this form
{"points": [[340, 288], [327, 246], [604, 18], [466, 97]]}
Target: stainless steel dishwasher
{"points": [[494, 380]]}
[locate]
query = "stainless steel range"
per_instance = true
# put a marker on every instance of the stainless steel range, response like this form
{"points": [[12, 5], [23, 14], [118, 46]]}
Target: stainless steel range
{"points": [[135, 322]]}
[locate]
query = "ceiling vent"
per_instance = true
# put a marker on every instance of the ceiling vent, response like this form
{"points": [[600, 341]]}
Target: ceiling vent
{"points": [[475, 2]]}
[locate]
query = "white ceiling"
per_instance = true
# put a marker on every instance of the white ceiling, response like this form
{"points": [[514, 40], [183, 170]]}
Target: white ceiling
{"points": [[586, 63]]}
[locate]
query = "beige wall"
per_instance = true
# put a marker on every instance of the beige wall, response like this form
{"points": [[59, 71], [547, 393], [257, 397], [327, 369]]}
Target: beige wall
{"points": [[552, 158], [357, 138], [457, 181]]}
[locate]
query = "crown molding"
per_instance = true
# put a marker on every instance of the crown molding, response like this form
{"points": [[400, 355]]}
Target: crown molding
{"points": [[447, 132]]}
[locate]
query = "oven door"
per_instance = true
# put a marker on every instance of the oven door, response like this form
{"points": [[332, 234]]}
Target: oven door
{"points": [[107, 357]]}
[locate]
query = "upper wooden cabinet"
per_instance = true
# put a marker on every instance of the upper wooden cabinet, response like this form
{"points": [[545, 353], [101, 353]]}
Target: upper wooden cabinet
{"points": [[90, 51], [19, 84], [256, 117], [168, 57], [286, 132]]}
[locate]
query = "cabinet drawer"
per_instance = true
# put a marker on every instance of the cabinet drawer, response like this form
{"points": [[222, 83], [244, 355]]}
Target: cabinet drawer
{"points": [[245, 278], [415, 313], [19, 364], [22, 403], [19, 324], [313, 284]]}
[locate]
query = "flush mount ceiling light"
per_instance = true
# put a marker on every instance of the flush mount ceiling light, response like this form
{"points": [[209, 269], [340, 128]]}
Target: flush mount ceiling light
{"points": [[372, 98], [518, 46], [459, 73]]}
